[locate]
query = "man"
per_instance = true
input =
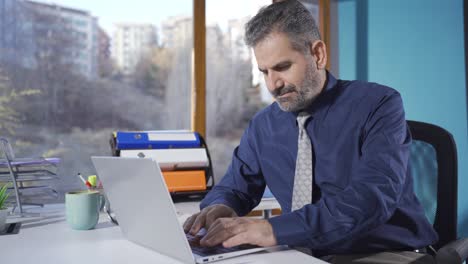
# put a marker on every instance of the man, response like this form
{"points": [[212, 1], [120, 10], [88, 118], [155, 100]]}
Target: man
{"points": [[334, 154]]}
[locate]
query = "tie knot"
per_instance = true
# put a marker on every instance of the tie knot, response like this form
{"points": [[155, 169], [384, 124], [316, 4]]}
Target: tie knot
{"points": [[302, 118]]}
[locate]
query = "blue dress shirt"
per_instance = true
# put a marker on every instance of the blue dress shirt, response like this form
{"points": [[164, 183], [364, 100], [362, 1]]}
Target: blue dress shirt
{"points": [[363, 198]]}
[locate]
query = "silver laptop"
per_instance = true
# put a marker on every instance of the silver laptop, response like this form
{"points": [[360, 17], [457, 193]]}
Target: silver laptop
{"points": [[142, 204]]}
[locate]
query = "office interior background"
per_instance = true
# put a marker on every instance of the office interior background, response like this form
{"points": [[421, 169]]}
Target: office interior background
{"points": [[72, 72]]}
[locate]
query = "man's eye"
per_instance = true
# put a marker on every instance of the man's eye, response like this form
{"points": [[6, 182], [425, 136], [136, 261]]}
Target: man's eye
{"points": [[283, 67]]}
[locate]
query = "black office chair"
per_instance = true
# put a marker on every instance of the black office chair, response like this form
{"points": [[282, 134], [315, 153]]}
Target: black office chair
{"points": [[434, 167]]}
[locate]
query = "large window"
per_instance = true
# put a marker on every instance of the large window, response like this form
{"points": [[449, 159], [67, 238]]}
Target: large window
{"points": [[71, 73], [234, 91]]}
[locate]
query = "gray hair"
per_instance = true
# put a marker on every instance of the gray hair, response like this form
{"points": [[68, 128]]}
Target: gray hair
{"points": [[289, 17]]}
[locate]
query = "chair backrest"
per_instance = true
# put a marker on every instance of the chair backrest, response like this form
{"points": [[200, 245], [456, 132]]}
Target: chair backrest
{"points": [[433, 163]]}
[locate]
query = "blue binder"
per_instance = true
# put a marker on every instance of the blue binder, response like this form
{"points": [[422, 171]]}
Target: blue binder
{"points": [[157, 140]]}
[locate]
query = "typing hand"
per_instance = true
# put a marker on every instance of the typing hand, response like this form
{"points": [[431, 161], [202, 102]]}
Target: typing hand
{"points": [[236, 231], [206, 217]]}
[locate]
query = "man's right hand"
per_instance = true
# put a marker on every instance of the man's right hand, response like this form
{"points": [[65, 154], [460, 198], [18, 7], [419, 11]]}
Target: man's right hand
{"points": [[206, 217]]}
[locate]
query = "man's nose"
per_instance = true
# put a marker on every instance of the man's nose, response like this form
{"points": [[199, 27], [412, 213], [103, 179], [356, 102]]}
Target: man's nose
{"points": [[274, 81]]}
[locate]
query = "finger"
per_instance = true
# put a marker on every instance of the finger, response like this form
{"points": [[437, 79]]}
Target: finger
{"points": [[216, 234], [226, 222], [215, 225], [219, 225], [189, 222], [239, 239], [214, 213], [221, 231], [212, 232], [198, 224], [211, 217], [215, 239], [238, 228]]}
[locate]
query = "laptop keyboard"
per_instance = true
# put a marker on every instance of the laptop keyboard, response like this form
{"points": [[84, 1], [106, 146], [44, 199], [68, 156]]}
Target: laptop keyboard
{"points": [[194, 242]]}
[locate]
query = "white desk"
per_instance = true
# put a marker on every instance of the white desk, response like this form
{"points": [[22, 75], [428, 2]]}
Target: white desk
{"points": [[48, 239]]}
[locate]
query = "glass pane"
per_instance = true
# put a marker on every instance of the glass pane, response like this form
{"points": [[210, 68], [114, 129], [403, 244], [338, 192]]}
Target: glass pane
{"points": [[235, 88], [71, 73]]}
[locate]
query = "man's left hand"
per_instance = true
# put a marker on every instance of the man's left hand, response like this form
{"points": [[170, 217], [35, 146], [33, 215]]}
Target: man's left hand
{"points": [[236, 231]]}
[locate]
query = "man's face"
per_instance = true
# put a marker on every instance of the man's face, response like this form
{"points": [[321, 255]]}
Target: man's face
{"points": [[291, 76]]}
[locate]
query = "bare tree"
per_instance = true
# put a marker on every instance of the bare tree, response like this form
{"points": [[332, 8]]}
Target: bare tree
{"points": [[229, 79], [10, 117], [179, 83], [152, 71]]}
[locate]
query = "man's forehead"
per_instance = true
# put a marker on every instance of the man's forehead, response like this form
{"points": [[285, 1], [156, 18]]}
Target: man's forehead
{"points": [[274, 49], [274, 38]]}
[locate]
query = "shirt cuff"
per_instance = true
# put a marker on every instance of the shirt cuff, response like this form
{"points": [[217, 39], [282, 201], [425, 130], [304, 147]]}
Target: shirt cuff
{"points": [[289, 229]]}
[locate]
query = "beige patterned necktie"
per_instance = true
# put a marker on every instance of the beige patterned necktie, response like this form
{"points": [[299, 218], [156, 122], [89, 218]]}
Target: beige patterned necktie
{"points": [[302, 192]]}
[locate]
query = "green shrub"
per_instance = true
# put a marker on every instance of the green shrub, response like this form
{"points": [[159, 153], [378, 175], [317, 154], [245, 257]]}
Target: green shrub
{"points": [[3, 196]]}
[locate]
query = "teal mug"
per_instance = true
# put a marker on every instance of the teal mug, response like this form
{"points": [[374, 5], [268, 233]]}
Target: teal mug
{"points": [[82, 209]]}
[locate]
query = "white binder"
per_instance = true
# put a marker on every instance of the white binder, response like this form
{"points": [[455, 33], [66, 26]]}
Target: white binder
{"points": [[171, 159]]}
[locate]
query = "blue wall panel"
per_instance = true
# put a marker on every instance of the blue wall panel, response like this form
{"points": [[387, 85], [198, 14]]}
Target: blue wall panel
{"points": [[416, 47]]}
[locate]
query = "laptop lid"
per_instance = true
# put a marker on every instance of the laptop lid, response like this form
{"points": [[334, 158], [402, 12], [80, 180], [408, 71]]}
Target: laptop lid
{"points": [[142, 205]]}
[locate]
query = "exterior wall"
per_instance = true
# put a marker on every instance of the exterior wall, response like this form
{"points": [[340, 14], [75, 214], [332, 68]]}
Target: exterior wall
{"points": [[130, 42]]}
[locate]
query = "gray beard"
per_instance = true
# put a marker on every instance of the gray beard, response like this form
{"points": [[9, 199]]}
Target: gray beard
{"points": [[306, 94]]}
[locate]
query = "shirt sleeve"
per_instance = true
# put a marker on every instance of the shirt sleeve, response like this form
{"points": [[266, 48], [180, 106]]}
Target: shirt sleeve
{"points": [[243, 185], [373, 193]]}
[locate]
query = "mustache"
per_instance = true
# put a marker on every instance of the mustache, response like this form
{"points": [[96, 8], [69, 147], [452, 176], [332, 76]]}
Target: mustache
{"points": [[284, 90]]}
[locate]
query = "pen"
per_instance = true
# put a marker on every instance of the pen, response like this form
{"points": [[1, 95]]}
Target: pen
{"points": [[84, 181]]}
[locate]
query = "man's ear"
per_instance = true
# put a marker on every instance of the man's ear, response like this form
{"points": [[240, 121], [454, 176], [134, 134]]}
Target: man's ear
{"points": [[318, 50]]}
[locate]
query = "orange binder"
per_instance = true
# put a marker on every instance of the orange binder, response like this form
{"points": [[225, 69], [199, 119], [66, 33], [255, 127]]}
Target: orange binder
{"points": [[185, 180]]}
